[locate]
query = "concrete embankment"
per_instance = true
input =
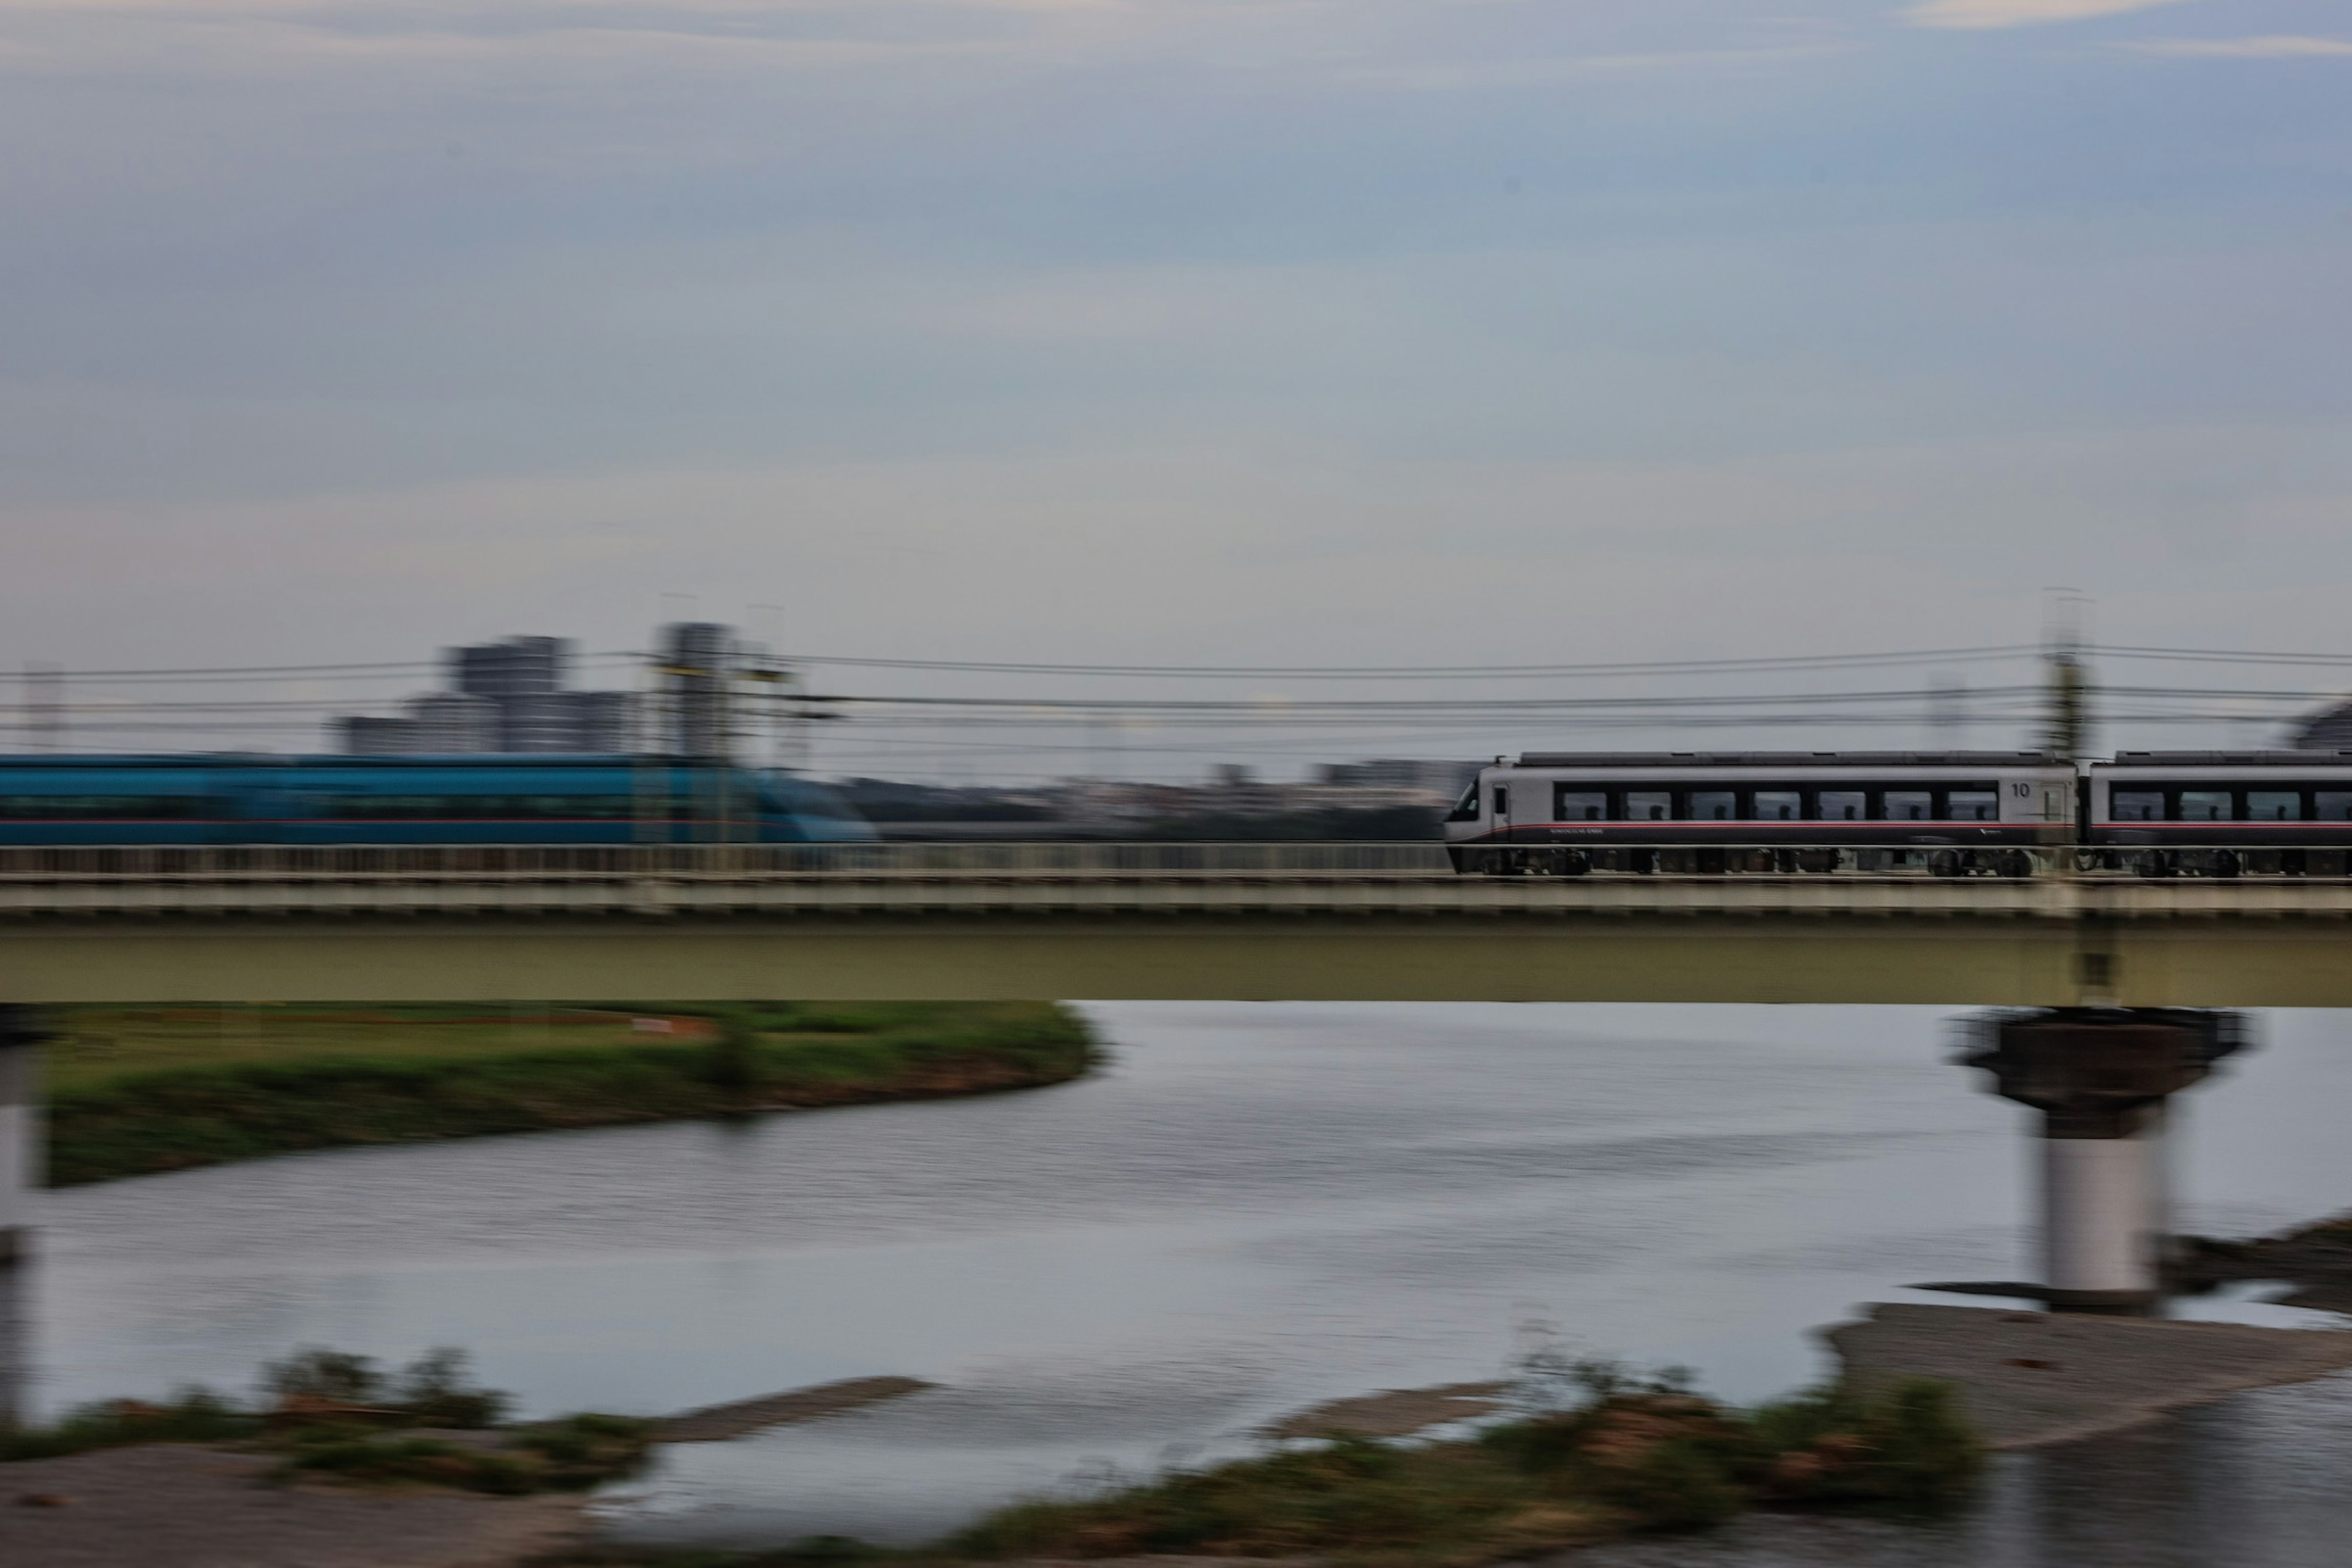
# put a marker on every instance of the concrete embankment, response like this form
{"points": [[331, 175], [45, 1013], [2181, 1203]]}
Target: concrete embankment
{"points": [[2028, 1378]]}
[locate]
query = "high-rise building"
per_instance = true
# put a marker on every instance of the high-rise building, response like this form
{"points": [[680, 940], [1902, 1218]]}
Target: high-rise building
{"points": [[447, 722], [504, 696], [699, 668]]}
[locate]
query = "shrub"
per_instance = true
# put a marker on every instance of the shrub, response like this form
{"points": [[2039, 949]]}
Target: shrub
{"points": [[193, 1414]]}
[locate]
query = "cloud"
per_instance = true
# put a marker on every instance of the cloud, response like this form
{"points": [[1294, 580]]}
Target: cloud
{"points": [[1987, 13], [2277, 46], [1539, 71]]}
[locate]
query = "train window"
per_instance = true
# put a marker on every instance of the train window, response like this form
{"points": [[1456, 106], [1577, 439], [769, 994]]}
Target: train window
{"points": [[2274, 805], [2136, 805], [1580, 806], [2203, 805], [1778, 805], [1712, 804], [1908, 805], [1466, 808], [1502, 800], [1648, 805], [2333, 805], [1843, 806], [1972, 805]]}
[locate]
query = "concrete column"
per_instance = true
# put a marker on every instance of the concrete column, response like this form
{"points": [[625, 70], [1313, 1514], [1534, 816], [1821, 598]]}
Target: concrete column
{"points": [[2099, 1240], [20, 1129], [2100, 1077]]}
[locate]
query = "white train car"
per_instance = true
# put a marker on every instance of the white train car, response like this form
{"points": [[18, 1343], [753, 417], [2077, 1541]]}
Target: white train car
{"points": [[1954, 813], [2220, 812]]}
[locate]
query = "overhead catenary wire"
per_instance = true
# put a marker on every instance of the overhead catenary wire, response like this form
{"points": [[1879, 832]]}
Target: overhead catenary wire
{"points": [[1204, 724]]}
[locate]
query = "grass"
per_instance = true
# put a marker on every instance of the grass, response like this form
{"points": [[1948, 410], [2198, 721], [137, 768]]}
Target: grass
{"points": [[334, 1416], [570, 1453], [1609, 1454], [1628, 1456], [141, 1090]]}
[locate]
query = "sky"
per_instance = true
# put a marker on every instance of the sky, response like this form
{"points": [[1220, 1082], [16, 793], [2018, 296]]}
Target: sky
{"points": [[1172, 332]]}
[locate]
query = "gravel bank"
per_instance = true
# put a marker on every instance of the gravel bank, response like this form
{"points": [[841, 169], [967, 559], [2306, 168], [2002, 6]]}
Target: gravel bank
{"points": [[2030, 1378], [719, 1423], [1395, 1412], [172, 1506]]}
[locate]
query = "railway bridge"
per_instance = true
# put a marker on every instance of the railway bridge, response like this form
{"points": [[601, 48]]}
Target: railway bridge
{"points": [[2116, 955], [1278, 921]]}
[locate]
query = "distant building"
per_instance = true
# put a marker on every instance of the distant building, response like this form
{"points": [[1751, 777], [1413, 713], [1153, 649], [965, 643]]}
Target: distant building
{"points": [[699, 662], [2328, 730], [368, 737], [1436, 778], [505, 696]]}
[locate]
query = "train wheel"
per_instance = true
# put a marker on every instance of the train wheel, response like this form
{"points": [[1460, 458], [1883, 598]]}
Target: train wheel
{"points": [[2227, 864], [1943, 863], [2016, 863]]}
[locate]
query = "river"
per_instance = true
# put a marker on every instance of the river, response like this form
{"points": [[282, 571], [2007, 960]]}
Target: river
{"points": [[1257, 1207]]}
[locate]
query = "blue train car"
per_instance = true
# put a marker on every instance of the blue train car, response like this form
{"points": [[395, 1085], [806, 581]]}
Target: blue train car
{"points": [[516, 799]]}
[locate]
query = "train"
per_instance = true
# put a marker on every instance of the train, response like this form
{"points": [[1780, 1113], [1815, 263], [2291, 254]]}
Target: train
{"points": [[523, 798], [1948, 813]]}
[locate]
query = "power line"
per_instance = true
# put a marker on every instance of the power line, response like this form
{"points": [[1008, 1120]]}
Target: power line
{"points": [[1428, 672]]}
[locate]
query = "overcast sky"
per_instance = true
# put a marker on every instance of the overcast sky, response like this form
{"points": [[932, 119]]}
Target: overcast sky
{"points": [[1328, 331]]}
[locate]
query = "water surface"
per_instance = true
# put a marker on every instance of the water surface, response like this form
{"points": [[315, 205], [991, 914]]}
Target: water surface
{"points": [[1258, 1207]]}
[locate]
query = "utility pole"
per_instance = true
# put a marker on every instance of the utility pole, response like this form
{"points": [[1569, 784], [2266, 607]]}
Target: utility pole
{"points": [[2066, 728]]}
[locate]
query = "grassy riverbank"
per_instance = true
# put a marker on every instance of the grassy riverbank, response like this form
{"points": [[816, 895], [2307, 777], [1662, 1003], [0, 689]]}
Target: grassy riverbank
{"points": [[1620, 1454], [328, 1415], [136, 1091], [1629, 1457]]}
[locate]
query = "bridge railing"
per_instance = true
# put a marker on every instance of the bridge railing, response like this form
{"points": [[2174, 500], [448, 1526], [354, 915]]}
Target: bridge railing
{"points": [[1117, 861], [302, 862]]}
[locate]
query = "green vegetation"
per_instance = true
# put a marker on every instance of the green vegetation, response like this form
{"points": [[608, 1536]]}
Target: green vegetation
{"points": [[191, 1415], [1609, 1454], [1626, 1454], [334, 1415], [574, 1453], [137, 1091]]}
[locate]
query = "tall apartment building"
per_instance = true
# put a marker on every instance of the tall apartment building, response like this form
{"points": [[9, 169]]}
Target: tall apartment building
{"points": [[504, 696]]}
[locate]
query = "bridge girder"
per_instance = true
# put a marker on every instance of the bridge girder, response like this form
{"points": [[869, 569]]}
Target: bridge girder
{"points": [[1941, 961]]}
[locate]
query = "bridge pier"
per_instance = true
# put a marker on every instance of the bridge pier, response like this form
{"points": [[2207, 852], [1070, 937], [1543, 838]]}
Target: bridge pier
{"points": [[20, 1129], [2100, 1077]]}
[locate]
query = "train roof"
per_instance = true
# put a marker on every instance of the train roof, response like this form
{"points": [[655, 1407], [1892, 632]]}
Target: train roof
{"points": [[2229, 759], [1785, 759]]}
